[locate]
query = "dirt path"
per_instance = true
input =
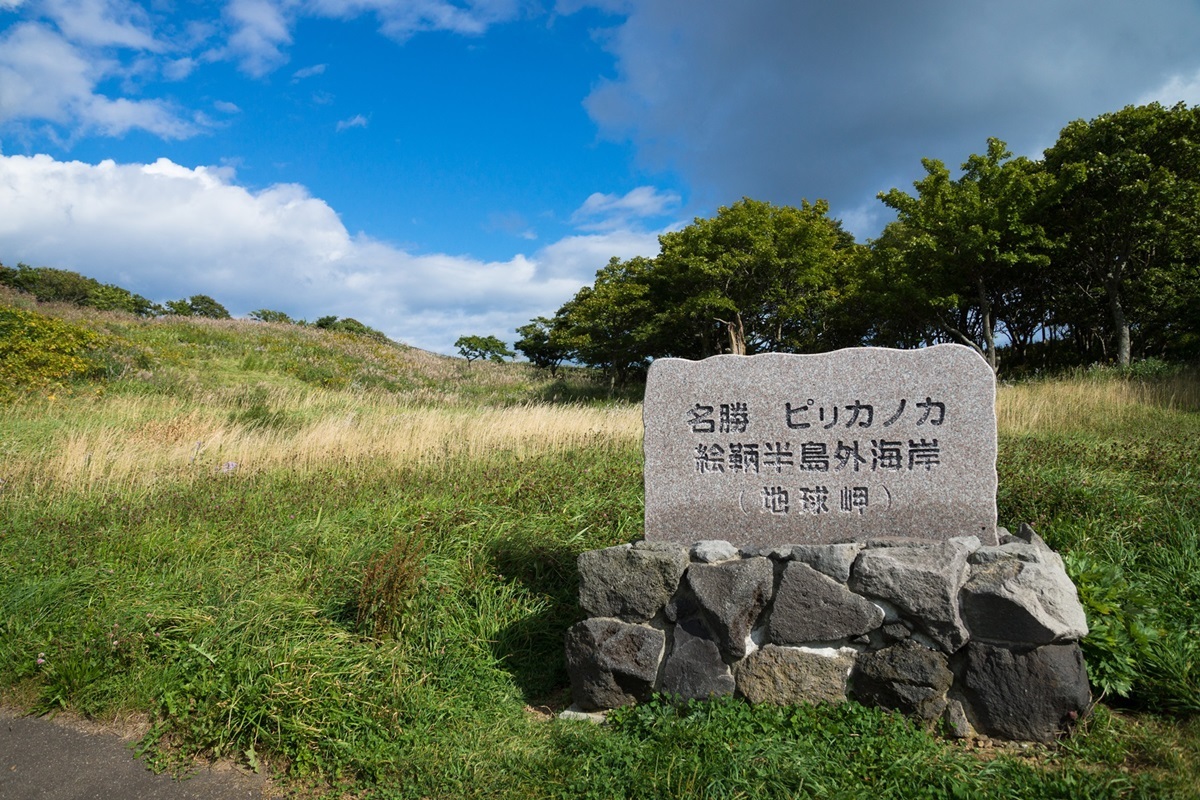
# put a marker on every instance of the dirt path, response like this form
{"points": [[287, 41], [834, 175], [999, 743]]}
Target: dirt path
{"points": [[69, 758]]}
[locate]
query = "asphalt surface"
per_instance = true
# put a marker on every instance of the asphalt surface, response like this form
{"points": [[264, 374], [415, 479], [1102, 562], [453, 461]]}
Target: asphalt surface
{"points": [[66, 759]]}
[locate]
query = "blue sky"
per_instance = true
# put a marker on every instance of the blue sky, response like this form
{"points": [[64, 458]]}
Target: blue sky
{"points": [[441, 167]]}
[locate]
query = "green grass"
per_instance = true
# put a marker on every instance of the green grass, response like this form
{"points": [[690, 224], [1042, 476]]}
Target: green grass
{"points": [[1125, 512], [226, 608], [394, 629]]}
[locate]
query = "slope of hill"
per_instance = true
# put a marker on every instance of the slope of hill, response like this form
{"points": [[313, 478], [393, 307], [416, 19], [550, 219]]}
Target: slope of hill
{"points": [[171, 353]]}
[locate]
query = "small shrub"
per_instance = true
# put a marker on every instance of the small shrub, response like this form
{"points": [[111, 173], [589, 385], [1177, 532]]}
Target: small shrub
{"points": [[349, 325], [1151, 368], [198, 305], [389, 586], [270, 315], [38, 352], [1121, 634]]}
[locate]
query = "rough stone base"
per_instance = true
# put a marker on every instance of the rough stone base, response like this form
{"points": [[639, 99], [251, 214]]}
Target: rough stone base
{"points": [[980, 638]]}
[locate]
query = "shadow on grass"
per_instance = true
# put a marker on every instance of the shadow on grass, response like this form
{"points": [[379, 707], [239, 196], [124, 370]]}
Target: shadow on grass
{"points": [[574, 390], [531, 649]]}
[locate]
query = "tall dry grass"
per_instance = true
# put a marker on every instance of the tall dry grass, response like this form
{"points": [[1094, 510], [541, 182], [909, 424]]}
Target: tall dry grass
{"points": [[1094, 404], [128, 442], [125, 441]]}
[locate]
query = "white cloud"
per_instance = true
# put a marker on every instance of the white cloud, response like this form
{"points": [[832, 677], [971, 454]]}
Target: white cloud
{"points": [[261, 30], [179, 68], [576, 259], [50, 68], [357, 121], [169, 231], [308, 72], [1176, 89], [103, 23], [116, 117], [610, 211], [225, 107], [43, 76], [402, 20]]}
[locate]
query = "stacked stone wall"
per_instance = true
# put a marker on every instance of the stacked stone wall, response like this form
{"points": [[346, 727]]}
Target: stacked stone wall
{"points": [[978, 638]]}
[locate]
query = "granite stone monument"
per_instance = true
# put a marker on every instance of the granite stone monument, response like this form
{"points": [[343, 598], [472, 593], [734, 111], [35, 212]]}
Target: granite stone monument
{"points": [[817, 449]]}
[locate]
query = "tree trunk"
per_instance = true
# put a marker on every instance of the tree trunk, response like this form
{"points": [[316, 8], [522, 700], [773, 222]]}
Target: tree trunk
{"points": [[737, 340], [737, 334], [1112, 287], [955, 333], [964, 339], [989, 331]]}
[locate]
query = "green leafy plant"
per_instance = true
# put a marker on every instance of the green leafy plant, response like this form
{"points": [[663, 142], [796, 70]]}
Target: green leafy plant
{"points": [[1121, 625], [270, 315], [63, 286]]}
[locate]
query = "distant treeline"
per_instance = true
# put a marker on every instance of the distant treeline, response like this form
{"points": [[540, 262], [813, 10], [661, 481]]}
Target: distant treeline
{"points": [[50, 285], [1087, 255]]}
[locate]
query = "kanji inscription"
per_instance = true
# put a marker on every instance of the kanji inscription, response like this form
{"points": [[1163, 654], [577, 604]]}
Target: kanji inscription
{"points": [[792, 449]]}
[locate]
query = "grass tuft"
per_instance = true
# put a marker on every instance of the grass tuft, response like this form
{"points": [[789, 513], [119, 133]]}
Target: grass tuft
{"points": [[389, 585]]}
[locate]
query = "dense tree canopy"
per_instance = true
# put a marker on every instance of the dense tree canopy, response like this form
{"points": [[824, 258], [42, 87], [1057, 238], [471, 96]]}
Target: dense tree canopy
{"points": [[1092, 253], [753, 279], [270, 315], [1125, 210], [64, 286], [198, 305], [541, 343], [967, 255]]}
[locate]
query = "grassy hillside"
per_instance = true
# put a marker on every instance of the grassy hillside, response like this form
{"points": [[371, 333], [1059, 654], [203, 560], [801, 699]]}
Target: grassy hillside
{"points": [[352, 563]]}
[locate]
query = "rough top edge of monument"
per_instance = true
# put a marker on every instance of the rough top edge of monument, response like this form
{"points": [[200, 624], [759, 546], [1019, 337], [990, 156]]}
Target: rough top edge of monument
{"points": [[948, 349]]}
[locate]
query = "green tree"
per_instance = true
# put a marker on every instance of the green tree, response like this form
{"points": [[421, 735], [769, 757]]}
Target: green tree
{"points": [[51, 285], [754, 278], [542, 343], [966, 256], [267, 315], [1126, 211], [895, 301], [204, 306], [107, 297], [349, 325], [612, 325], [485, 347], [198, 305]]}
